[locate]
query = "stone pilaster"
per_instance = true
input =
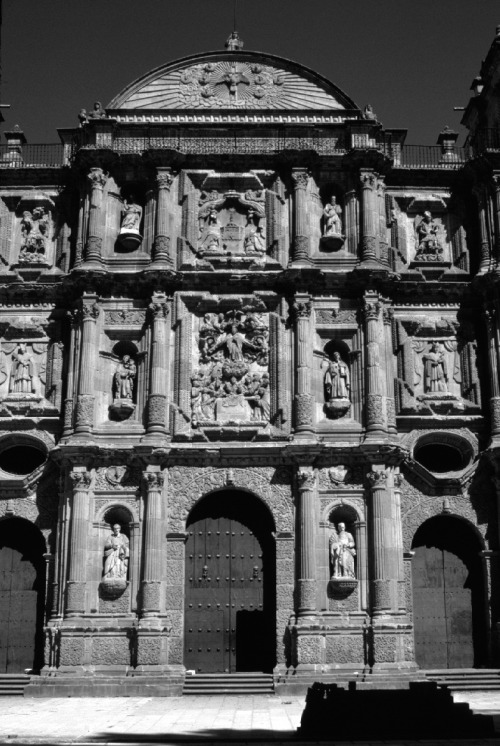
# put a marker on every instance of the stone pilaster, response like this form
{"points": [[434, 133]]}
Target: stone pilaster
{"points": [[93, 247], [351, 221], [369, 218], [496, 213], [70, 378], [78, 555], [303, 398], [482, 206], [152, 551], [383, 253], [88, 313], [385, 561], [306, 595], [375, 415], [162, 248], [398, 480], [491, 316], [390, 405], [157, 402], [301, 241]]}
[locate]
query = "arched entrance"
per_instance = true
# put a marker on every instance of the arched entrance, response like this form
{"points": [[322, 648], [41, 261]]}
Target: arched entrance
{"points": [[22, 596], [230, 604], [448, 595]]}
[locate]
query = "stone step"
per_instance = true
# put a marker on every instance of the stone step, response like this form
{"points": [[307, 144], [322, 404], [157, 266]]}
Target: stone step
{"points": [[471, 679], [13, 684], [229, 684]]}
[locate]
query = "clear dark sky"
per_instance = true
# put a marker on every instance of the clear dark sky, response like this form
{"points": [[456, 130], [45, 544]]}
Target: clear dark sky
{"points": [[413, 60]]}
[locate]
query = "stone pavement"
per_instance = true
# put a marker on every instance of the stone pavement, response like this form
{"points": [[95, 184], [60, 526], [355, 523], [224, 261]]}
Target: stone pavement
{"points": [[166, 720]]}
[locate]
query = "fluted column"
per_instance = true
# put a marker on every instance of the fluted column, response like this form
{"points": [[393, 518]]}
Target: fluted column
{"points": [[307, 557], [351, 221], [157, 402], [398, 480], [162, 255], [496, 212], [70, 378], [93, 248], [303, 398], [369, 217], [387, 316], [152, 551], [301, 241], [78, 555], [89, 313], [384, 570], [491, 316], [375, 419], [482, 206], [383, 253]]}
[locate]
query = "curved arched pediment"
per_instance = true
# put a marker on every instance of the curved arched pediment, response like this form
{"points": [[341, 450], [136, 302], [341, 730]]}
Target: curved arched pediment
{"points": [[232, 80]]}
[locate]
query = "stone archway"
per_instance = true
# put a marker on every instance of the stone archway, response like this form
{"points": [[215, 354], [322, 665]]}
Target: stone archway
{"points": [[230, 585], [22, 596], [449, 611]]}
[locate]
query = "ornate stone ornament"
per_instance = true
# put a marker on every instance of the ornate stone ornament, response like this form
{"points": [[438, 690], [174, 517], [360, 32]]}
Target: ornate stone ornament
{"points": [[429, 247], [34, 234]]}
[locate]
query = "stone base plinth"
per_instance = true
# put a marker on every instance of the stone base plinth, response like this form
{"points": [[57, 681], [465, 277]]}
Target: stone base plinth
{"points": [[169, 684]]}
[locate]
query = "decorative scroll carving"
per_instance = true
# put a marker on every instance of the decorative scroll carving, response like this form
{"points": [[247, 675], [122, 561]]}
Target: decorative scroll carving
{"points": [[232, 380]]}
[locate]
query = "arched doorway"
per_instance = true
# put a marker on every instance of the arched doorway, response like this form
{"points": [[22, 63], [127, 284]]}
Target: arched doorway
{"points": [[448, 595], [230, 604], [22, 596]]}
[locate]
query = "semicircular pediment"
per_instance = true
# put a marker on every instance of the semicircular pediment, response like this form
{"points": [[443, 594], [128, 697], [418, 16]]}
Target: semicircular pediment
{"points": [[232, 80]]}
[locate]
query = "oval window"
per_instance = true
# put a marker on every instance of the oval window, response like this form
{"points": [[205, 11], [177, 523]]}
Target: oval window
{"points": [[21, 460], [440, 458]]}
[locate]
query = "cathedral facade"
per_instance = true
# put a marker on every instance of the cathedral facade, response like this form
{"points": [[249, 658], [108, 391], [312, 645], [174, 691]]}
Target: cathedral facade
{"points": [[249, 386]]}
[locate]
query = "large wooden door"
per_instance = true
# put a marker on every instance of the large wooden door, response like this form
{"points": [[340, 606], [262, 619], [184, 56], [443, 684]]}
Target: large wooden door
{"points": [[227, 622], [447, 597], [18, 611]]}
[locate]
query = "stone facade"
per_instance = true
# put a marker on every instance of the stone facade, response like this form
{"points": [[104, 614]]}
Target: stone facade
{"points": [[239, 281]]}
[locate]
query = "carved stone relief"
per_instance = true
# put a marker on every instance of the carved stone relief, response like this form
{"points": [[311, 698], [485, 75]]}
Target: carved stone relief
{"points": [[35, 234], [230, 382]]}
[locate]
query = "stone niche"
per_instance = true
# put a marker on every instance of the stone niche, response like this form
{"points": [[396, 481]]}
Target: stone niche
{"points": [[35, 234], [337, 375], [436, 361]]}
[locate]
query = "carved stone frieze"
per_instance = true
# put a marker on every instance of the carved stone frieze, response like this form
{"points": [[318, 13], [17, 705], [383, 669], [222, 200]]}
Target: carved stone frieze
{"points": [[118, 477], [272, 485], [125, 317]]}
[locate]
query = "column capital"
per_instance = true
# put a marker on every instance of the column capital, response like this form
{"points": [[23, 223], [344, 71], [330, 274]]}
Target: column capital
{"points": [[89, 310], [81, 480], [301, 309], [97, 178], [378, 479], [158, 308], [368, 179], [372, 310], [154, 480], [164, 178], [306, 477], [300, 178]]}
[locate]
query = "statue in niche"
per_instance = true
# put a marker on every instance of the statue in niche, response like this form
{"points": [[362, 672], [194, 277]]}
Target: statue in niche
{"points": [[22, 371], [129, 236], [429, 248], [332, 237], [337, 386], [211, 238], [435, 369], [116, 554], [255, 242], [342, 553], [34, 227], [123, 385]]}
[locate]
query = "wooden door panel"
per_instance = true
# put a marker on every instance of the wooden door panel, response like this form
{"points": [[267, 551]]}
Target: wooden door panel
{"points": [[18, 611], [458, 602]]}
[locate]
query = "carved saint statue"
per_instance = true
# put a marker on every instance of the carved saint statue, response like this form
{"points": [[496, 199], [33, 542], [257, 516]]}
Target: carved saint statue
{"points": [[337, 382], [435, 370], [22, 371], [342, 553], [34, 228], [124, 378], [428, 245], [131, 216], [255, 242], [211, 240], [116, 554], [332, 219], [98, 112]]}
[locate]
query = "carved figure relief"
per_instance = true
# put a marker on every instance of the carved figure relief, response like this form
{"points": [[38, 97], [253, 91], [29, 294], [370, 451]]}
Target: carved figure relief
{"points": [[332, 238], [22, 374], [435, 370], [232, 226], [129, 236], [232, 380], [342, 553], [429, 247], [34, 230], [337, 386], [116, 555]]}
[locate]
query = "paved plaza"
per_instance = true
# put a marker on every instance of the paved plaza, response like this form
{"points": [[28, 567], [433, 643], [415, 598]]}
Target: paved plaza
{"points": [[216, 719]]}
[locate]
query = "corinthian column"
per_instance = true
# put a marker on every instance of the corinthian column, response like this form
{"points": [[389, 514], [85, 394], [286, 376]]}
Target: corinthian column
{"points": [[162, 257], [375, 419], [369, 217], [385, 545], [307, 522], [482, 205], [93, 248], [78, 559], [496, 206], [300, 251], [303, 398], [491, 316], [89, 313], [153, 539], [387, 315], [157, 403]]}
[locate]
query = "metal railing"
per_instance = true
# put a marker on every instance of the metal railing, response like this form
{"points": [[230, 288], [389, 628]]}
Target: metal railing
{"points": [[431, 156], [33, 156]]}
